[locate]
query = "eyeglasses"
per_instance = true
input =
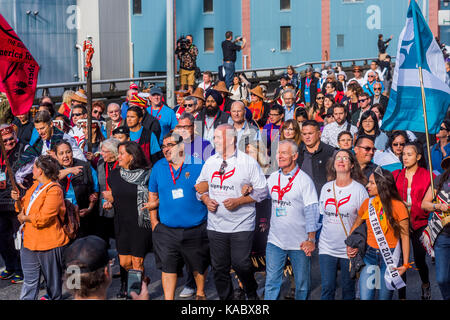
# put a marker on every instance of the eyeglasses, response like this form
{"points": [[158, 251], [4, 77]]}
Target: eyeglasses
{"points": [[345, 140], [320, 98], [274, 114], [367, 121], [169, 145], [342, 158], [362, 100], [222, 167], [188, 105], [399, 144], [184, 127], [7, 140], [368, 149]]}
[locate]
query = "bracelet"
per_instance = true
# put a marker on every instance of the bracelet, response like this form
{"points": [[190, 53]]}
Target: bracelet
{"points": [[408, 265]]}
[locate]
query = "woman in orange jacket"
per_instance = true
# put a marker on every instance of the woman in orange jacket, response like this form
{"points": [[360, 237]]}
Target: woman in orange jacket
{"points": [[44, 238]]}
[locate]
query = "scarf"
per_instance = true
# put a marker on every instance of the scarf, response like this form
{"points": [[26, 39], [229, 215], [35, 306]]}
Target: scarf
{"points": [[140, 178], [257, 110], [35, 150]]}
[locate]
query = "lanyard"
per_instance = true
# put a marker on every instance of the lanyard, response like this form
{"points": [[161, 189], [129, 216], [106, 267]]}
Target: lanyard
{"points": [[107, 173], [174, 179], [69, 179], [156, 116], [211, 124], [282, 191], [308, 83]]}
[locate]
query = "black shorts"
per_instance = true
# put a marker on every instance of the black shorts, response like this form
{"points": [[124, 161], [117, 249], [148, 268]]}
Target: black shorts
{"points": [[176, 246]]}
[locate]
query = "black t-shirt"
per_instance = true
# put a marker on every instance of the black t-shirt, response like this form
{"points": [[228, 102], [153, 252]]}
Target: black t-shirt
{"points": [[229, 50]]}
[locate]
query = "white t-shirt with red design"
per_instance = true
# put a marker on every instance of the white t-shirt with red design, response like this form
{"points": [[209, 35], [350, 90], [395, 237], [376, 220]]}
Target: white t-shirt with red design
{"points": [[349, 198]]}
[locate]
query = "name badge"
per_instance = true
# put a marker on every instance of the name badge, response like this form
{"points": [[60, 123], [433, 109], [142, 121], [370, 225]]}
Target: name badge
{"points": [[177, 194], [280, 212], [2, 176]]}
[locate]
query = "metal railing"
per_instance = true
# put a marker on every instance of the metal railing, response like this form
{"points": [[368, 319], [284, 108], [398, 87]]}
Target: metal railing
{"points": [[254, 73]]}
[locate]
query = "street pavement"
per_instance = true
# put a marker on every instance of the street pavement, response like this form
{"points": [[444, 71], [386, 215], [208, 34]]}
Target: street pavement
{"points": [[10, 291]]}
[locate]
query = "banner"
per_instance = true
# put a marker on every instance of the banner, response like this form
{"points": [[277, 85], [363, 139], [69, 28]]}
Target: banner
{"points": [[18, 70]]}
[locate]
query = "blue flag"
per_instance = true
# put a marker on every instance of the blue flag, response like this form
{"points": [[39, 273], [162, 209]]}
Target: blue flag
{"points": [[417, 48]]}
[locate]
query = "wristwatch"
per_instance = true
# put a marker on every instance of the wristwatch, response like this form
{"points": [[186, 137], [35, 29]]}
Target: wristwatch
{"points": [[313, 240]]}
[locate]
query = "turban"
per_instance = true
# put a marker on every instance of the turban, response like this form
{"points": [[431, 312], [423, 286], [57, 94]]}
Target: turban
{"points": [[217, 96], [138, 101]]}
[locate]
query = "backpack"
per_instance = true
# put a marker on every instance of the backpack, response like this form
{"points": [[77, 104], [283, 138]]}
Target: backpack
{"points": [[71, 222]]}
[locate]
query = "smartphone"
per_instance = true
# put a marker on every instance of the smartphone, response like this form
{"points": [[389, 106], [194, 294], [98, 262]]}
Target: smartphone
{"points": [[134, 282]]}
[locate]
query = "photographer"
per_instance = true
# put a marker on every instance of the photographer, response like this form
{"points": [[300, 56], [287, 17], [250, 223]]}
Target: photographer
{"points": [[187, 54], [229, 49]]}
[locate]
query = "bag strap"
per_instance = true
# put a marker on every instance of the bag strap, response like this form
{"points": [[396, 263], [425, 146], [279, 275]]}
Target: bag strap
{"points": [[337, 211]]}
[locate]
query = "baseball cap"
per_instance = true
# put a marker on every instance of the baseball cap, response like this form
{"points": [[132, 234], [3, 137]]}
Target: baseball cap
{"points": [[121, 130], [156, 90], [89, 254]]}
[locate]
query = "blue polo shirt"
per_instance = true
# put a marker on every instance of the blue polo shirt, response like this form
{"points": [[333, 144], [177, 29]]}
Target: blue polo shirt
{"points": [[185, 211], [167, 120]]}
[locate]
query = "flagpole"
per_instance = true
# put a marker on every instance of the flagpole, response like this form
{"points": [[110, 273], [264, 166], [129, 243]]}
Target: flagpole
{"points": [[424, 105]]}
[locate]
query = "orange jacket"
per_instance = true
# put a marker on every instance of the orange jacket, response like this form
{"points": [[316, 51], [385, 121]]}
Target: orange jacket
{"points": [[44, 232]]}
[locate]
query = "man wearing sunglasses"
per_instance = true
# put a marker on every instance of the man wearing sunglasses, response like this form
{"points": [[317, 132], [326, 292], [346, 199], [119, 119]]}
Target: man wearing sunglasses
{"points": [[363, 106], [378, 97], [231, 215], [364, 152], [8, 217], [79, 112], [371, 81]]}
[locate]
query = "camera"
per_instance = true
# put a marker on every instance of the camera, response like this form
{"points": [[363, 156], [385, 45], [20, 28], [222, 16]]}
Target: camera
{"points": [[183, 44]]}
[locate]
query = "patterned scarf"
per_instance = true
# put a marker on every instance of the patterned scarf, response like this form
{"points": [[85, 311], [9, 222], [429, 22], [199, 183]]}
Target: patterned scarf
{"points": [[35, 150], [140, 178]]}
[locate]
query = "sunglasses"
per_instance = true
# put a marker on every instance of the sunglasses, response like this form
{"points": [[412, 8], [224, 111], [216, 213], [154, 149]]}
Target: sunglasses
{"points": [[362, 100], [370, 76], [184, 127], [444, 128], [274, 114], [77, 114], [398, 144], [188, 105], [7, 140], [320, 98], [377, 89], [222, 168], [169, 145], [368, 149], [96, 111]]}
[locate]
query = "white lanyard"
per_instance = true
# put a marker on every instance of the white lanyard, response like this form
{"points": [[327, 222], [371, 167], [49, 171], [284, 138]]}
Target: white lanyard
{"points": [[391, 277]]}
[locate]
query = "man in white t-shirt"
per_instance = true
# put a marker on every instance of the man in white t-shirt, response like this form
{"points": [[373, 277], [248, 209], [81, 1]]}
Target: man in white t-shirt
{"points": [[231, 216], [207, 81], [293, 224], [339, 198]]}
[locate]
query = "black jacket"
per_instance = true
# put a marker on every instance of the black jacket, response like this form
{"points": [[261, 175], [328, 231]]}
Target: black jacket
{"points": [[152, 124], [24, 131], [221, 118], [383, 100], [312, 89], [358, 239], [6, 202], [319, 162]]}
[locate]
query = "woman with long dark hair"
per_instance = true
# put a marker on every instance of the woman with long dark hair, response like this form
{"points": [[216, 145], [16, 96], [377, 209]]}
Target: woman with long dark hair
{"points": [[386, 216], [412, 183], [128, 195], [368, 125], [317, 108], [436, 236], [339, 202], [390, 158]]}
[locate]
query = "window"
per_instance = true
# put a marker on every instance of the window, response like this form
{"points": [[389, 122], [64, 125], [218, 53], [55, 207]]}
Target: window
{"points": [[209, 39], [340, 40], [137, 6], [208, 6], [285, 38], [285, 4]]}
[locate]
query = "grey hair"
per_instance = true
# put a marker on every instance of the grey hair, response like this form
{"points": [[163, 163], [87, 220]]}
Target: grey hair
{"points": [[187, 115], [112, 145], [190, 98], [112, 104], [289, 90], [294, 146], [239, 102]]}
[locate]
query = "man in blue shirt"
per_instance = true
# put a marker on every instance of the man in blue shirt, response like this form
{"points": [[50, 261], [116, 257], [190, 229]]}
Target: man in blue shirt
{"points": [[161, 112], [179, 224]]}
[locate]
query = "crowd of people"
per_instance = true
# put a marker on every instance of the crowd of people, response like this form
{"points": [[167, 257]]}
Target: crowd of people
{"points": [[232, 180]]}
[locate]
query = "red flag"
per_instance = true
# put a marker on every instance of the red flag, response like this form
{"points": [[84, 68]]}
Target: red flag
{"points": [[18, 70]]}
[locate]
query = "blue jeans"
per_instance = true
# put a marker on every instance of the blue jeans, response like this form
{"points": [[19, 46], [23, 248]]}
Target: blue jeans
{"points": [[229, 73], [442, 254], [275, 262], [328, 273], [372, 276]]}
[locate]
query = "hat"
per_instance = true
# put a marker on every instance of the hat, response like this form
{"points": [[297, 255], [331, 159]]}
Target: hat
{"points": [[156, 90], [181, 93], [357, 68], [222, 87], [285, 77], [343, 74], [121, 130], [89, 254], [79, 96], [138, 101], [134, 86], [317, 70], [258, 91], [199, 94], [215, 94]]}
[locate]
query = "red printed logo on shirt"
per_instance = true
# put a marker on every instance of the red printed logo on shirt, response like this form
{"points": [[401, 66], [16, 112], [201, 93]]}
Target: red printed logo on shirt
{"points": [[341, 202], [223, 177]]}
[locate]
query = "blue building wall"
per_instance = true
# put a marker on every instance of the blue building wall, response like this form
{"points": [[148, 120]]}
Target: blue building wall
{"points": [[266, 18], [360, 23], [444, 31], [50, 35]]}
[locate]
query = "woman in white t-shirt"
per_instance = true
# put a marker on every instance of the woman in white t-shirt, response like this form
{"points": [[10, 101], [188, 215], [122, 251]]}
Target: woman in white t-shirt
{"points": [[339, 202]]}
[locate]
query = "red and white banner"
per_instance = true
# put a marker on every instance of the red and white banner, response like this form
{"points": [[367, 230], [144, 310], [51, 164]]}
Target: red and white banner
{"points": [[18, 70]]}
